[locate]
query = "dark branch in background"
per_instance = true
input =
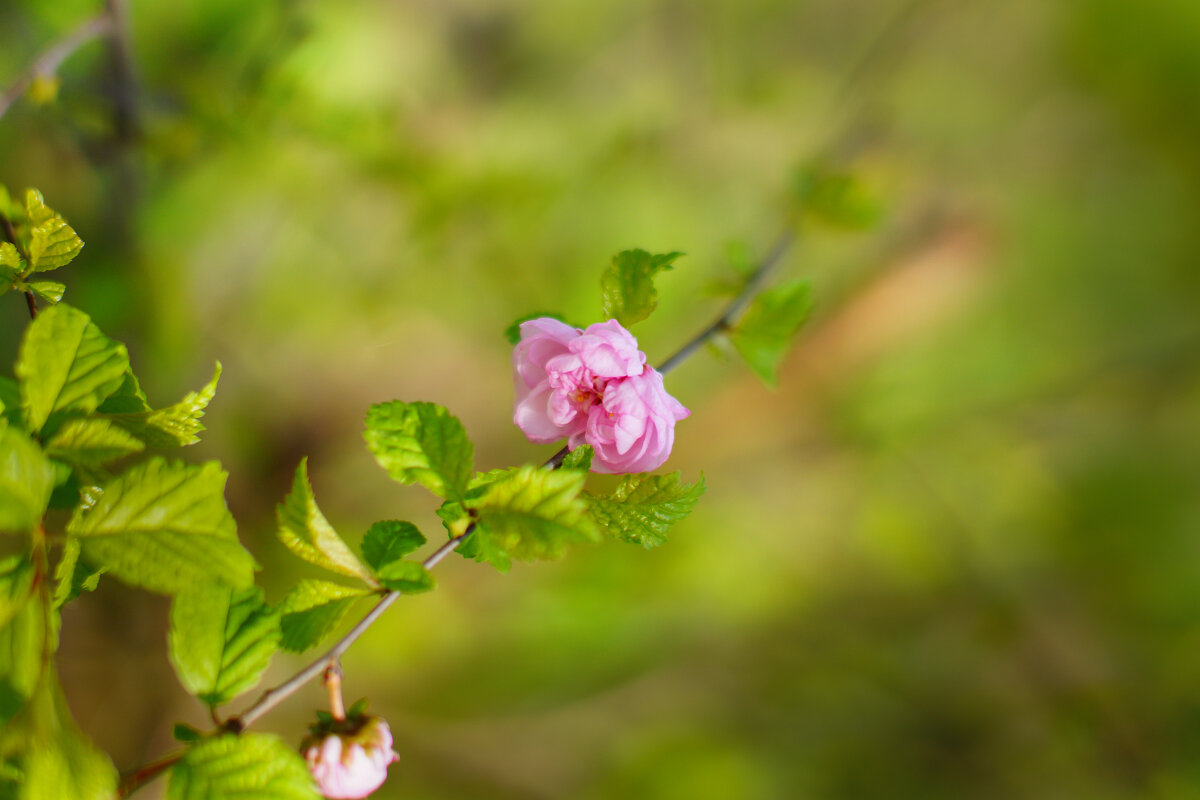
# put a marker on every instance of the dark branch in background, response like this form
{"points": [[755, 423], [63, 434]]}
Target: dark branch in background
{"points": [[47, 64], [722, 323], [125, 119]]}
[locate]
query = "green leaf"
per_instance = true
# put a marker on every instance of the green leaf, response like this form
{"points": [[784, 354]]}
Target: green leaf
{"points": [[164, 526], [186, 734], [50, 291], [91, 441], [421, 443], [580, 458], [312, 609], [834, 197], [67, 364], [644, 507], [221, 640], [627, 286], [249, 766], [16, 585], [531, 513], [10, 265], [406, 576], [765, 332], [306, 532], [513, 332], [52, 242], [22, 645], [26, 481], [390, 540], [73, 576], [177, 425], [10, 401]]}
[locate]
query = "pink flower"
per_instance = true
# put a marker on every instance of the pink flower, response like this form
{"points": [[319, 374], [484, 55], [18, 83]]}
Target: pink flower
{"points": [[351, 765], [592, 386]]}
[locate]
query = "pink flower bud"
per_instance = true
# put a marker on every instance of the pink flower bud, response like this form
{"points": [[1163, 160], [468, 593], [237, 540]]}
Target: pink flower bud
{"points": [[592, 386], [350, 764]]}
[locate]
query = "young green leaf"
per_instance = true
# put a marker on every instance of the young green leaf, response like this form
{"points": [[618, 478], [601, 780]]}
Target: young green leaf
{"points": [[72, 576], [52, 242], [627, 286], [421, 443], [249, 766], [10, 266], [406, 576], [764, 334], [177, 425], [67, 364], [16, 585], [164, 526], [221, 640], [91, 441], [26, 481], [531, 513], [390, 540], [10, 402], [643, 507], [304, 530], [834, 197], [22, 645], [50, 291], [312, 609], [580, 458]]}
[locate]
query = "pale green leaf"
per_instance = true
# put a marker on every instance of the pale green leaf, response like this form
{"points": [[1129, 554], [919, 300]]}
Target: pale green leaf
{"points": [[177, 425], [221, 640], [421, 443], [16, 585], [26, 481], [164, 526], [91, 441], [312, 610], [765, 332], [10, 265], [72, 575], [643, 507], [249, 766], [50, 291], [406, 576], [53, 244], [305, 531], [531, 513], [390, 540], [23, 640], [627, 286], [67, 364]]}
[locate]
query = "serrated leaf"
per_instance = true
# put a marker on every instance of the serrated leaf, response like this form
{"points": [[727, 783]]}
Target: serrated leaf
{"points": [[764, 334], [91, 441], [26, 481], [390, 540], [53, 244], [249, 766], [72, 576], [67, 364], [627, 286], [532, 513], [421, 443], [580, 458], [221, 640], [50, 291], [164, 526], [177, 425], [644, 507], [312, 609], [304, 530], [513, 332], [406, 576]]}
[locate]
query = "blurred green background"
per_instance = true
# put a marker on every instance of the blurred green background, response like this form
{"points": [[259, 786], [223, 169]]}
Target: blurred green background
{"points": [[956, 554]]}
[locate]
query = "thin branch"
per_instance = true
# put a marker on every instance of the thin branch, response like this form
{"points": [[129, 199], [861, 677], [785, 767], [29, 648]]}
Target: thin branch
{"points": [[133, 781], [722, 323], [52, 57]]}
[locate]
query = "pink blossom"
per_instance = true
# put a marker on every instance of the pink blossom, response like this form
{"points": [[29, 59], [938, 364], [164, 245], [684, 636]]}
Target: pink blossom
{"points": [[351, 765], [593, 386]]}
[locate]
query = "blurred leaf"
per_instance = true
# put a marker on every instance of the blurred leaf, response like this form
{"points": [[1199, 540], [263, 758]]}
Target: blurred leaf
{"points": [[176, 425], [764, 334], [52, 242], [390, 540], [91, 441], [531, 513], [164, 526], [513, 332], [50, 291], [304, 530], [312, 609], [16, 585], [10, 266], [185, 733], [580, 458], [406, 576], [627, 286], [10, 402], [22, 646], [72, 576], [421, 443], [834, 197], [26, 481], [66, 363], [221, 640], [249, 766], [644, 507]]}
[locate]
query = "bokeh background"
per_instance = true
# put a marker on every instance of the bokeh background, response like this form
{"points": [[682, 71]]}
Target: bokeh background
{"points": [[955, 554]]}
